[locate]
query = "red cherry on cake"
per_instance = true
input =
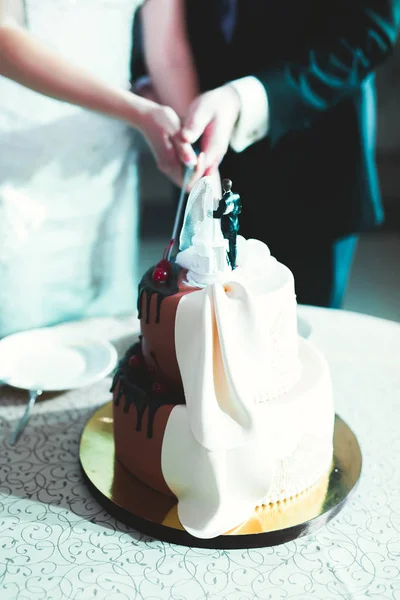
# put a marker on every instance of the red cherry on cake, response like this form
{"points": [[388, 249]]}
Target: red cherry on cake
{"points": [[135, 361], [160, 275], [164, 264], [162, 271], [158, 389]]}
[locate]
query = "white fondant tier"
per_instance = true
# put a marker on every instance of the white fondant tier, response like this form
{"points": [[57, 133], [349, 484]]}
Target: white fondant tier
{"points": [[287, 448], [304, 420], [250, 314]]}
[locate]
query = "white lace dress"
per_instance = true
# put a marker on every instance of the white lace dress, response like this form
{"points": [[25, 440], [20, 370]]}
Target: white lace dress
{"points": [[68, 179]]}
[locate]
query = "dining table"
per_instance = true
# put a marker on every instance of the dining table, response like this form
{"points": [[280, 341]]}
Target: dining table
{"points": [[58, 543]]}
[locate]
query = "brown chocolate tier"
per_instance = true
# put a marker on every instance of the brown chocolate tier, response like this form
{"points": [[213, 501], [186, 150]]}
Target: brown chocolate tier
{"points": [[138, 453], [147, 384], [141, 408], [157, 304]]}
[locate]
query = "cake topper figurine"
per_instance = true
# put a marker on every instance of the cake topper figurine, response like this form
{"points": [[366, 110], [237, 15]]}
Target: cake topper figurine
{"points": [[202, 247], [228, 211]]}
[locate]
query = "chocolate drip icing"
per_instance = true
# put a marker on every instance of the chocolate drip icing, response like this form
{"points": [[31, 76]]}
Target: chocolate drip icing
{"points": [[162, 290], [136, 387], [133, 396]]}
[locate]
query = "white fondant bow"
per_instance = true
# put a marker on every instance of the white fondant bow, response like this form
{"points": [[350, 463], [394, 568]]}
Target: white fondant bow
{"points": [[223, 351]]}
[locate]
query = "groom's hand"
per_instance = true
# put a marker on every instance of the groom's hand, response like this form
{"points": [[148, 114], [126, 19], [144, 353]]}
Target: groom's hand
{"points": [[212, 116], [161, 127]]}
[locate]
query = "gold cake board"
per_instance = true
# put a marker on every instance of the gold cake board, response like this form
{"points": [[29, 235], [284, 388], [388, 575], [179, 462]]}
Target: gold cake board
{"points": [[154, 514]]}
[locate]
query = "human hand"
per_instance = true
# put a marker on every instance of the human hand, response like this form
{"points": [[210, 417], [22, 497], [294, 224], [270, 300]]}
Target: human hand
{"points": [[161, 128], [211, 116]]}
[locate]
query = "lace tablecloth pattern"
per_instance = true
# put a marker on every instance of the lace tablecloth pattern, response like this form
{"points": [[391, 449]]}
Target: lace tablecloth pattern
{"points": [[58, 543]]}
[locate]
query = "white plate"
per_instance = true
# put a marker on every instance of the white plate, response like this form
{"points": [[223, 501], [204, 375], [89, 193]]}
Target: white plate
{"points": [[53, 359]]}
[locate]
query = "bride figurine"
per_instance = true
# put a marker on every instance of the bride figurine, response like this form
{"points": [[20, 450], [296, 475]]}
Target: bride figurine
{"points": [[203, 249]]}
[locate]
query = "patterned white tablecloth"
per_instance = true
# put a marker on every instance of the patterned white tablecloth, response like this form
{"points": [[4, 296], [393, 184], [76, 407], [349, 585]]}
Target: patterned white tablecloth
{"points": [[57, 543]]}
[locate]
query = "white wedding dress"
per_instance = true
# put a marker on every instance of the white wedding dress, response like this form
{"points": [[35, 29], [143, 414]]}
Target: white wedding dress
{"points": [[68, 179]]}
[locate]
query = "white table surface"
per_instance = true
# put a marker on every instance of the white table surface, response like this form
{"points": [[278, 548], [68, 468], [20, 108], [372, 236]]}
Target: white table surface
{"points": [[57, 542]]}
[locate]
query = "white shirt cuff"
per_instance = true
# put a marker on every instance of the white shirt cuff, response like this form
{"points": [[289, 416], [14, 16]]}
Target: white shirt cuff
{"points": [[253, 122]]}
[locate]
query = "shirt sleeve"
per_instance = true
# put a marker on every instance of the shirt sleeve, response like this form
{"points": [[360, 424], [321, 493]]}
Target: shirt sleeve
{"points": [[253, 122]]}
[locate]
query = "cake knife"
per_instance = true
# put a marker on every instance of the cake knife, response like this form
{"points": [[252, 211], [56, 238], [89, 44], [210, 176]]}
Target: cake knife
{"points": [[19, 429], [179, 210]]}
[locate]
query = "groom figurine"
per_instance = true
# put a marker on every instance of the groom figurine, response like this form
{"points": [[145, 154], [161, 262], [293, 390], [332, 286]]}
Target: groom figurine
{"points": [[228, 211]]}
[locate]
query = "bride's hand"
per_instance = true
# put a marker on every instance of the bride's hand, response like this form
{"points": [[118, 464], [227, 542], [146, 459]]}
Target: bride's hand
{"points": [[161, 126]]}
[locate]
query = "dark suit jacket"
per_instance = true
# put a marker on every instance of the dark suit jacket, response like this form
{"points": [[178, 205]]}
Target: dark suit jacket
{"points": [[314, 174], [230, 221]]}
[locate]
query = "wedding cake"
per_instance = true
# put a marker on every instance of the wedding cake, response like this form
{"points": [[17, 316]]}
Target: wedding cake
{"points": [[221, 404]]}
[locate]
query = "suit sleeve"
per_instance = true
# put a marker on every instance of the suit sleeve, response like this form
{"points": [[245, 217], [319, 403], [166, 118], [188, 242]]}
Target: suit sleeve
{"points": [[218, 213], [351, 42]]}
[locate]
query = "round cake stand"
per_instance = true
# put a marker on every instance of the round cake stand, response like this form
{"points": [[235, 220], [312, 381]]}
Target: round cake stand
{"points": [[154, 514]]}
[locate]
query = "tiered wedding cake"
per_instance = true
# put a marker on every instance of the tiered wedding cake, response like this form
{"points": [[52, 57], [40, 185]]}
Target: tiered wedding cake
{"points": [[221, 404]]}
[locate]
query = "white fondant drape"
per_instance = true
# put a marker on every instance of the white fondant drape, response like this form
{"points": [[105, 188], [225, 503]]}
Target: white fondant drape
{"points": [[223, 356]]}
